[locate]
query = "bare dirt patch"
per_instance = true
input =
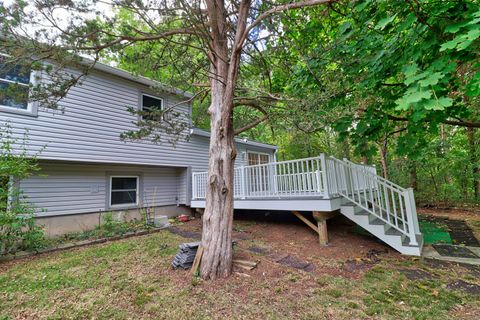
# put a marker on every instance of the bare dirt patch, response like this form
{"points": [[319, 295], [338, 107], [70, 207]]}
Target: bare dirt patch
{"points": [[452, 213], [471, 288], [281, 242], [417, 274]]}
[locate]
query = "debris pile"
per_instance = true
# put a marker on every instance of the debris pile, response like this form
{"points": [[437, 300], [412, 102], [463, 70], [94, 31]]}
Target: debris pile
{"points": [[185, 255]]}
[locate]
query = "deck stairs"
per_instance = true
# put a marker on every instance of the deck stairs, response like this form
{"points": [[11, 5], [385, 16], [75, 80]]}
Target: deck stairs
{"points": [[379, 206], [382, 230]]}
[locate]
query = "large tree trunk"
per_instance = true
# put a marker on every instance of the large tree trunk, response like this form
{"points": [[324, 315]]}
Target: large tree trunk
{"points": [[218, 216]]}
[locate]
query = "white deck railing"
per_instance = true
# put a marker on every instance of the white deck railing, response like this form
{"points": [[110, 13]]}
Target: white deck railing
{"points": [[324, 177], [296, 178], [385, 200]]}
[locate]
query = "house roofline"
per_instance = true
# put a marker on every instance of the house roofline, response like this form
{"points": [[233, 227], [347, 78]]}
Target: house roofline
{"points": [[139, 79], [204, 133]]}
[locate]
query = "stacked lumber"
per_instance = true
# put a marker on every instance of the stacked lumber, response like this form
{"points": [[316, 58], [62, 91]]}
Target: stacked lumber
{"points": [[185, 255], [244, 264]]}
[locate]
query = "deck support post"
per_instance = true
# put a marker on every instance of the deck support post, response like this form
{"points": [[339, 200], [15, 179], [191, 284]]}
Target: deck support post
{"points": [[322, 218], [322, 232], [321, 227]]}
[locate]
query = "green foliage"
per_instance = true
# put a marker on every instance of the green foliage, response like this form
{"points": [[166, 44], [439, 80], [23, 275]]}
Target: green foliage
{"points": [[417, 64], [386, 75], [111, 226], [18, 230]]}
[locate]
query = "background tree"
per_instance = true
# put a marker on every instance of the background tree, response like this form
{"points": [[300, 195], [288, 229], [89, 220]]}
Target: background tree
{"points": [[398, 81]]}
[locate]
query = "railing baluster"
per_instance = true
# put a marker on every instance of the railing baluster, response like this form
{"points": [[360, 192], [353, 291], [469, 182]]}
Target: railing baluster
{"points": [[394, 206], [387, 203]]}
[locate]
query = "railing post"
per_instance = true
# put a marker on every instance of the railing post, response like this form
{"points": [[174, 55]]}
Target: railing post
{"points": [[414, 211], [326, 191], [348, 177], [242, 182], [194, 186], [412, 216], [275, 179]]}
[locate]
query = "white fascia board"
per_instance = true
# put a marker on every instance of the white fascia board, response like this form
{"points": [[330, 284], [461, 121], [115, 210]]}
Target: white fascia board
{"points": [[204, 133]]}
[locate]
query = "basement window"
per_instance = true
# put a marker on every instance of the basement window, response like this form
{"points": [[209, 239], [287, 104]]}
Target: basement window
{"points": [[123, 190], [151, 107]]}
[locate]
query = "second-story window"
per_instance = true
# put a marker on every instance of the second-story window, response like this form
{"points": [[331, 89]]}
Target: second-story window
{"points": [[151, 107], [14, 85]]}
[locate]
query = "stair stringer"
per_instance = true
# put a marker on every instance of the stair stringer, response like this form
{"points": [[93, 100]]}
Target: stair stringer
{"points": [[364, 219]]}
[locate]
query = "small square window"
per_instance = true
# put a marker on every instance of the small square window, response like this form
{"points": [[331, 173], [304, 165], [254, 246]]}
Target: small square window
{"points": [[123, 191], [14, 85], [151, 107]]}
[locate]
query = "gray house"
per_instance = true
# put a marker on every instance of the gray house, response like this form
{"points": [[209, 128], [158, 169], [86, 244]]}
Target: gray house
{"points": [[87, 170]]}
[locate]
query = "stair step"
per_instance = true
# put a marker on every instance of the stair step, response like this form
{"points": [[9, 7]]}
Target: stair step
{"points": [[393, 232], [362, 213], [377, 222], [406, 241]]}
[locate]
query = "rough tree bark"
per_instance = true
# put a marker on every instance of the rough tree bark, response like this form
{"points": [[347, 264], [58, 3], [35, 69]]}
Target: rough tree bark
{"points": [[218, 215]]}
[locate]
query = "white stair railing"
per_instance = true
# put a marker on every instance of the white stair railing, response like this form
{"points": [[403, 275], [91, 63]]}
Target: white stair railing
{"points": [[385, 200]]}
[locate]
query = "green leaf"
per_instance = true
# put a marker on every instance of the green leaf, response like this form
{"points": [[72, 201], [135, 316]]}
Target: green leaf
{"points": [[445, 102], [431, 80], [412, 96], [384, 22], [454, 28], [417, 96], [410, 70], [438, 104], [361, 6], [473, 87], [450, 44]]}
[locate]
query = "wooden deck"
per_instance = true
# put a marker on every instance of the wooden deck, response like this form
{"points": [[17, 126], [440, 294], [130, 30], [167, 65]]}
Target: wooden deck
{"points": [[326, 184]]}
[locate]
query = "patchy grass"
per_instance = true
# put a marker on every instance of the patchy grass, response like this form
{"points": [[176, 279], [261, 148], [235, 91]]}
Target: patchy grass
{"points": [[132, 279]]}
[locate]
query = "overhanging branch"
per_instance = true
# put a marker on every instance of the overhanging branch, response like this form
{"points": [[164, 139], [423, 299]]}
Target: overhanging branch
{"points": [[460, 123], [251, 125]]}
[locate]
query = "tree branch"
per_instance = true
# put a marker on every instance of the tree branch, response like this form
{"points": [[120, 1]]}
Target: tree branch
{"points": [[252, 124], [284, 7], [459, 123], [120, 39]]}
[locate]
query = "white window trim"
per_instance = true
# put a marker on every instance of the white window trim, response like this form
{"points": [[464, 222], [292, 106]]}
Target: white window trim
{"points": [[151, 96], [258, 155], [123, 205], [31, 105]]}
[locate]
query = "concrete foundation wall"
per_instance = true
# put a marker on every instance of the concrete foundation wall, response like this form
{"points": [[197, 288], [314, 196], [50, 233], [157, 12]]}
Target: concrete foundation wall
{"points": [[58, 225]]}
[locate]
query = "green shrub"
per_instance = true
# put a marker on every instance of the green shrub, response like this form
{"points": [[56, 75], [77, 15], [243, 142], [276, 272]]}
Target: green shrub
{"points": [[110, 226], [18, 230]]}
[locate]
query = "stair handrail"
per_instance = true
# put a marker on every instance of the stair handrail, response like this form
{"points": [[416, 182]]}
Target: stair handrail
{"points": [[380, 178], [378, 201]]}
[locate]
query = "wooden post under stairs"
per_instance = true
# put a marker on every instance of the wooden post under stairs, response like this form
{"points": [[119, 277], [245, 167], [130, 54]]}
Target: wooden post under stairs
{"points": [[321, 227]]}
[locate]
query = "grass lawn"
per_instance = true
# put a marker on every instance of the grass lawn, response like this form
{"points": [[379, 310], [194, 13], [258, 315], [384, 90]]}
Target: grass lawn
{"points": [[132, 279]]}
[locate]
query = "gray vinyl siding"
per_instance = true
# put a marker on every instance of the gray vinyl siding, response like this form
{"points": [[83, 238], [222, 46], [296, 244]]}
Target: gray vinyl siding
{"points": [[89, 122], [66, 188], [86, 128]]}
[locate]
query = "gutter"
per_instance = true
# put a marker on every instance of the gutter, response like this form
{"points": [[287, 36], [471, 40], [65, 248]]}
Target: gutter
{"points": [[204, 133]]}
